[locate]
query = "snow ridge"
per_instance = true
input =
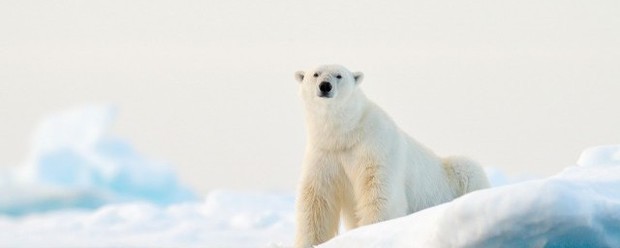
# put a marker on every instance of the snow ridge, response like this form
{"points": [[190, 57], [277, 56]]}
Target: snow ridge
{"points": [[580, 207]]}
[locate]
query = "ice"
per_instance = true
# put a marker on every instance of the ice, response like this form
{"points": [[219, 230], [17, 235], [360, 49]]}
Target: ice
{"points": [[580, 207], [76, 163], [83, 187]]}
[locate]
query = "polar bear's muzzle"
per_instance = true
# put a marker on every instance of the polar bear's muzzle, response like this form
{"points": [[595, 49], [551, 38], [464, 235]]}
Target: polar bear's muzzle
{"points": [[325, 89]]}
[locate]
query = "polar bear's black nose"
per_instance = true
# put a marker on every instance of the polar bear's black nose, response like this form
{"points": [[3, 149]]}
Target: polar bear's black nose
{"points": [[325, 87]]}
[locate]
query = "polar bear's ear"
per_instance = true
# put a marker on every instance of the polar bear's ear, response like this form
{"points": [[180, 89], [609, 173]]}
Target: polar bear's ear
{"points": [[299, 75], [358, 77]]}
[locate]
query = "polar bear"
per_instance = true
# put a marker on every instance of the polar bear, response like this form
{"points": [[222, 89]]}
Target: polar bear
{"points": [[360, 166]]}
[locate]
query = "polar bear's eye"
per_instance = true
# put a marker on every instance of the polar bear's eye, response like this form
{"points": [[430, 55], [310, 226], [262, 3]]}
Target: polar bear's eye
{"points": [[338, 77], [316, 75]]}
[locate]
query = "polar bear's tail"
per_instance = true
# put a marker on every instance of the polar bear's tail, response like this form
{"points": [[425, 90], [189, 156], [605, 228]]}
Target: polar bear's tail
{"points": [[465, 175]]}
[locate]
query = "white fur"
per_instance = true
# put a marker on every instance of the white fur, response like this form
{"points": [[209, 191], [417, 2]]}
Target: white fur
{"points": [[360, 165]]}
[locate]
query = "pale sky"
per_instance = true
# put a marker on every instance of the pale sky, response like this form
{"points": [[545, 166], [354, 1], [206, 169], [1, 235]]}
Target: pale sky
{"points": [[208, 86]]}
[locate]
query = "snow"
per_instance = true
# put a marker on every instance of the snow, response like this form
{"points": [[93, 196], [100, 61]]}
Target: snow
{"points": [[76, 163], [223, 219], [84, 187], [578, 207]]}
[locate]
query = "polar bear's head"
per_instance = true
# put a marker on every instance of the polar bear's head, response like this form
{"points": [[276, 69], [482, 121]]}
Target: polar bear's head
{"points": [[328, 83]]}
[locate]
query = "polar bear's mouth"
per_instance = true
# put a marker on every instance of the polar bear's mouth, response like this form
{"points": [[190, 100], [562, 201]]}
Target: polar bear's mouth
{"points": [[325, 95]]}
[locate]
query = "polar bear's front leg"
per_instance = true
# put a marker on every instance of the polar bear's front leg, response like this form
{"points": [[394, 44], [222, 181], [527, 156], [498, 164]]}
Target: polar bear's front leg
{"points": [[372, 195], [318, 204]]}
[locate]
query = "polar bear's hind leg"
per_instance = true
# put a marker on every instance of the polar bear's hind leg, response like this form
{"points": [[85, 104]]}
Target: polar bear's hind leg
{"points": [[465, 175]]}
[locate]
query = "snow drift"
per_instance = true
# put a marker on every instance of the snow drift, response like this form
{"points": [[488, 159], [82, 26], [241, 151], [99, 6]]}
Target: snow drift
{"points": [[580, 207], [76, 163], [223, 219]]}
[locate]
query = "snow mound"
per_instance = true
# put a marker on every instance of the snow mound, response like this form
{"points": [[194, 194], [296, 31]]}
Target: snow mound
{"points": [[224, 219], [579, 207], [600, 156], [76, 163]]}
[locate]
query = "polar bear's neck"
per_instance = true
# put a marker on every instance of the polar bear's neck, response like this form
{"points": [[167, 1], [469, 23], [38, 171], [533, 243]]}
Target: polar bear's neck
{"points": [[337, 126]]}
